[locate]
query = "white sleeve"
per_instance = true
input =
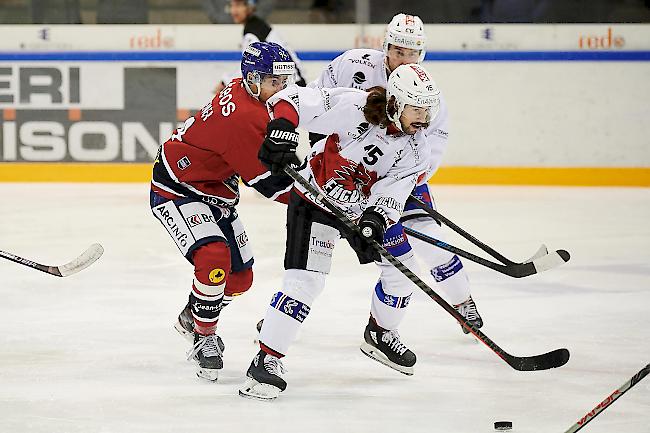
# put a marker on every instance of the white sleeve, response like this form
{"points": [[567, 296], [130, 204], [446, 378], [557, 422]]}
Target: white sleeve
{"points": [[389, 194], [329, 76], [437, 135], [324, 111]]}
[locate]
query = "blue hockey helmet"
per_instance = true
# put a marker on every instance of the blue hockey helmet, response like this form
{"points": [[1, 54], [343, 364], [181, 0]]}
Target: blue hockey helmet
{"points": [[261, 59]]}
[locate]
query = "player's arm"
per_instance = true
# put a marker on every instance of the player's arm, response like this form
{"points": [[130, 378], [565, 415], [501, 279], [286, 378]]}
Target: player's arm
{"points": [[330, 75], [389, 194], [437, 136], [241, 156]]}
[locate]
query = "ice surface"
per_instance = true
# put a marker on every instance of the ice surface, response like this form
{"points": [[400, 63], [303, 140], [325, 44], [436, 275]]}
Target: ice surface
{"points": [[96, 352]]}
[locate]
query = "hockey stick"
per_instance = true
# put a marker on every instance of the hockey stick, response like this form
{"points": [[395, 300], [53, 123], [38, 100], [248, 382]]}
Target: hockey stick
{"points": [[559, 254], [84, 260], [556, 358], [593, 413], [515, 270]]}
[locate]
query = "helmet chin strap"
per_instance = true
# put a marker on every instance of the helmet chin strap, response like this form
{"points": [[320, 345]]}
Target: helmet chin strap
{"points": [[258, 83], [395, 117]]}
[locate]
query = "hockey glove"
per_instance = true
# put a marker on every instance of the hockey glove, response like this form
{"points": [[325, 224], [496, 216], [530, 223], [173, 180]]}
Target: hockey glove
{"points": [[279, 147], [372, 226]]}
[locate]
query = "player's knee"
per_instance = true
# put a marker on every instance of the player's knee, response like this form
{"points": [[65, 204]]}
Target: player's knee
{"points": [[239, 282], [212, 264]]}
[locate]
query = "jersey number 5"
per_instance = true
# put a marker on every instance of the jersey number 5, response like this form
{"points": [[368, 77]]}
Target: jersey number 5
{"points": [[373, 154]]}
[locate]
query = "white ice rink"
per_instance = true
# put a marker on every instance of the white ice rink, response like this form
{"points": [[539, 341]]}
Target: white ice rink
{"points": [[96, 352]]}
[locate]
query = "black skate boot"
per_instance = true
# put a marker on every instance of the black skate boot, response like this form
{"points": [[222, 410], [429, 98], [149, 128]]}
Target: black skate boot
{"points": [[264, 380], [185, 323], [185, 326], [468, 310], [208, 353], [385, 346]]}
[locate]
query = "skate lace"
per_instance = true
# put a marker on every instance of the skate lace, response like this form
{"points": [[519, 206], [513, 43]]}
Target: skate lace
{"points": [[392, 339], [207, 345], [468, 309], [274, 365]]}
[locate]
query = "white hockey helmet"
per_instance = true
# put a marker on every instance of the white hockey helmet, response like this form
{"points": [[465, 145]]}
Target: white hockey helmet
{"points": [[406, 31], [411, 84]]}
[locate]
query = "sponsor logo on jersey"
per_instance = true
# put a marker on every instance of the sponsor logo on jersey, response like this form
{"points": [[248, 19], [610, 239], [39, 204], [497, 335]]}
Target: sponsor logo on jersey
{"points": [[361, 129], [183, 163], [364, 60], [217, 275], [295, 99], [358, 79], [330, 71], [196, 219], [242, 239]]}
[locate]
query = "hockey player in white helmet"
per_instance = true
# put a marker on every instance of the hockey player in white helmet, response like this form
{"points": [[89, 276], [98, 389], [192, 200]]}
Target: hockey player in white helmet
{"points": [[367, 166], [405, 42]]}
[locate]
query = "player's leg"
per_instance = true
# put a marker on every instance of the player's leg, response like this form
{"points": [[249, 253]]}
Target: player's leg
{"points": [[390, 300], [194, 227], [311, 236], [445, 267], [240, 278]]}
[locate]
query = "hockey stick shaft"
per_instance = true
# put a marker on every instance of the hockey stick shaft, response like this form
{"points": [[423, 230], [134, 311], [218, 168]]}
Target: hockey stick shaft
{"points": [[589, 416], [85, 259], [552, 359], [504, 269], [28, 263], [449, 223]]}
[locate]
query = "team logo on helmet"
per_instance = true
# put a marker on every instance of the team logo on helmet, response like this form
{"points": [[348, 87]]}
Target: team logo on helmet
{"points": [[253, 51]]}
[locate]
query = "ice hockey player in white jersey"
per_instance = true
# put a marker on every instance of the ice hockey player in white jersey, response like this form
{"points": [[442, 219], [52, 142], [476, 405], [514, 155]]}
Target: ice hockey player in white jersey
{"points": [[404, 42], [367, 166]]}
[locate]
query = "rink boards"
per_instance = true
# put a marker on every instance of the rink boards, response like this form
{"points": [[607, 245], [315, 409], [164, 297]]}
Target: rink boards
{"points": [[539, 105]]}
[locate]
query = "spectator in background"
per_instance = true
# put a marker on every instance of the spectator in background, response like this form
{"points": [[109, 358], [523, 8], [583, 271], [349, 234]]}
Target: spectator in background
{"points": [[218, 11], [257, 30]]}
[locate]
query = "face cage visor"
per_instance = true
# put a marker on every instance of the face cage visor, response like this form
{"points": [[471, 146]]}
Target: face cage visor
{"points": [[283, 76]]}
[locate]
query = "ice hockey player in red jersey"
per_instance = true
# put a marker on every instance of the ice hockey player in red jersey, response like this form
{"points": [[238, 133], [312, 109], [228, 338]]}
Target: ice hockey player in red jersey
{"points": [[367, 166], [195, 188]]}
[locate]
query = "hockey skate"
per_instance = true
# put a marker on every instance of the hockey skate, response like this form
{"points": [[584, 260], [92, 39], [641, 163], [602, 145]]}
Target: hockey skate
{"points": [[185, 326], [468, 310], [208, 354], [264, 381], [384, 346], [185, 323]]}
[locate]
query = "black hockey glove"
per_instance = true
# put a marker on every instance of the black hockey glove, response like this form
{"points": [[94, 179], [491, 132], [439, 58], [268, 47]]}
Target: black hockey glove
{"points": [[279, 147], [372, 226]]}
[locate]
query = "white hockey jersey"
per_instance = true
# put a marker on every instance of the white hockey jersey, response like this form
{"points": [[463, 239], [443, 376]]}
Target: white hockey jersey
{"points": [[365, 68], [358, 165]]}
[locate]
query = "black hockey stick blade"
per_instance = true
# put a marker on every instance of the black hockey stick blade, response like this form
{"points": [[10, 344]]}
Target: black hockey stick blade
{"points": [[553, 359], [435, 214], [84, 260], [515, 270]]}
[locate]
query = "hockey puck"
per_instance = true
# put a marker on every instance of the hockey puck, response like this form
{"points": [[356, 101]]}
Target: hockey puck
{"points": [[503, 425]]}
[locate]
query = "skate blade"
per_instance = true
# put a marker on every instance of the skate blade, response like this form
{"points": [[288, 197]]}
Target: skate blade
{"points": [[375, 354], [259, 391], [189, 336], [210, 374]]}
